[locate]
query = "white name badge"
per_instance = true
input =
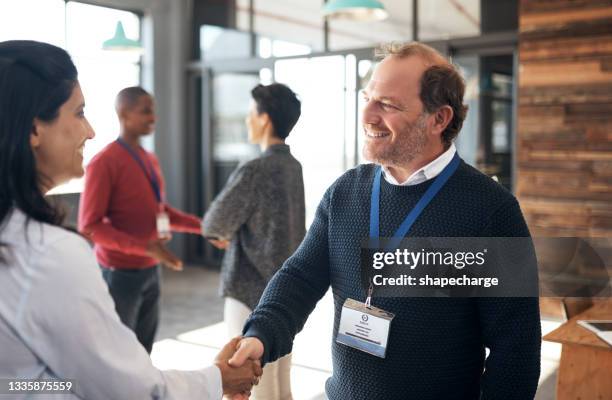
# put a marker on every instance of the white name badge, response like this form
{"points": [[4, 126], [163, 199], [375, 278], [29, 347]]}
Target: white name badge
{"points": [[363, 328], [163, 225]]}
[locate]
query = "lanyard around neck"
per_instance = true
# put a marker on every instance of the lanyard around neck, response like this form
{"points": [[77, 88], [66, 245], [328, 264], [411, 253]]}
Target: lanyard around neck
{"points": [[150, 173], [416, 211]]}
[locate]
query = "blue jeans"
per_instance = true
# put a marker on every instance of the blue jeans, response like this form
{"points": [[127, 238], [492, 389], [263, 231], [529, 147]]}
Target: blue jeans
{"points": [[136, 293]]}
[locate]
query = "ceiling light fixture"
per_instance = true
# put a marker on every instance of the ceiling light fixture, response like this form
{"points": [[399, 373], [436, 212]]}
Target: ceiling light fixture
{"points": [[356, 10], [120, 42]]}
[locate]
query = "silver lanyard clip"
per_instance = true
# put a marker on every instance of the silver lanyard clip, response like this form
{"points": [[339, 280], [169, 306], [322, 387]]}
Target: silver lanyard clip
{"points": [[368, 302]]}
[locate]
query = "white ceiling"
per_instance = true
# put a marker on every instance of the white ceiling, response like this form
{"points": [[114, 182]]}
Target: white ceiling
{"points": [[301, 21]]}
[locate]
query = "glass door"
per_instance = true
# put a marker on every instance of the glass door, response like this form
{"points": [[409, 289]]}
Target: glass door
{"points": [[230, 145], [319, 140], [485, 141], [225, 96]]}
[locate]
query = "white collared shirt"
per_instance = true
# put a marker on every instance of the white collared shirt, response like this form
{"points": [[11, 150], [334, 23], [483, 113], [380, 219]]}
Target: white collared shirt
{"points": [[426, 172], [58, 321]]}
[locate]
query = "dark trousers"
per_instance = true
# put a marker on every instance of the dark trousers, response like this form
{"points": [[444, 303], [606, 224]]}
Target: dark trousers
{"points": [[136, 293]]}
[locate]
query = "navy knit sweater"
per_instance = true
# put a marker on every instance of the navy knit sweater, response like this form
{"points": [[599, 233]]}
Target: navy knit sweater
{"points": [[436, 347]]}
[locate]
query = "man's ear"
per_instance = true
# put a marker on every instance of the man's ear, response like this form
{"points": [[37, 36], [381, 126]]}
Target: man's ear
{"points": [[121, 113], [442, 117]]}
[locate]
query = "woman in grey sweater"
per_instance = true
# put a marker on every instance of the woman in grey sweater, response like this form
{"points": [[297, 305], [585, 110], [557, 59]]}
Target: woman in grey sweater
{"points": [[260, 214]]}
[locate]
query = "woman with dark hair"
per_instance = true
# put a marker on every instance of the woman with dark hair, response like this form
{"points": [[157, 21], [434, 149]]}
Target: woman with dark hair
{"points": [[57, 320], [261, 212]]}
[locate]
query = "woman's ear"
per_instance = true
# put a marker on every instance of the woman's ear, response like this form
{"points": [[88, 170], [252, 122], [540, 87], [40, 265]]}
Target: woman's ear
{"points": [[35, 138]]}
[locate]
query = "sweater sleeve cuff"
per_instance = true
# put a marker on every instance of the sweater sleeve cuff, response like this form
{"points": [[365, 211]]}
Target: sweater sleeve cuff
{"points": [[210, 231], [185, 223]]}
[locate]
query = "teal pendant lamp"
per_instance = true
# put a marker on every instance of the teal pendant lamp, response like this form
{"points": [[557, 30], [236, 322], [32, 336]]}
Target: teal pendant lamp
{"points": [[120, 42], [357, 10]]}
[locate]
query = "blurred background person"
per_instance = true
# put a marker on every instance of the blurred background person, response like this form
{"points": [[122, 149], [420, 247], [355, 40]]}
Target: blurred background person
{"points": [[57, 320], [123, 211], [259, 217]]}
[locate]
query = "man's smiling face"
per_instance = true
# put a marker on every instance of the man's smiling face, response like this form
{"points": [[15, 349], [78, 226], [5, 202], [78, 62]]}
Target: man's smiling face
{"points": [[394, 119]]}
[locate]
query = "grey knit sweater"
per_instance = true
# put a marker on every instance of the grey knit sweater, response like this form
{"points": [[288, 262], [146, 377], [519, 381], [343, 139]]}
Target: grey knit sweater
{"points": [[261, 210]]}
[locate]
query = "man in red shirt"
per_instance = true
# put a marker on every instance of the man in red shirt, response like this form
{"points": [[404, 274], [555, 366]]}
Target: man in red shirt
{"points": [[122, 210]]}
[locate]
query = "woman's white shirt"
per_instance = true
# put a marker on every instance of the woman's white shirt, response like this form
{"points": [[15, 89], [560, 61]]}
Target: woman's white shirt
{"points": [[58, 321]]}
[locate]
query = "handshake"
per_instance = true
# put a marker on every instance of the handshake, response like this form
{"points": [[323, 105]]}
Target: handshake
{"points": [[156, 248], [240, 366]]}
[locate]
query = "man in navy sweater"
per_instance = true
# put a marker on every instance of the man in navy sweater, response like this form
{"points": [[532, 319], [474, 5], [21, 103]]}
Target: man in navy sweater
{"points": [[436, 346]]}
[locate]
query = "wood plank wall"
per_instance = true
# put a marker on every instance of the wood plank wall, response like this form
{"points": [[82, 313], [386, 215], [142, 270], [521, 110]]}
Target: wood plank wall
{"points": [[564, 139], [564, 131]]}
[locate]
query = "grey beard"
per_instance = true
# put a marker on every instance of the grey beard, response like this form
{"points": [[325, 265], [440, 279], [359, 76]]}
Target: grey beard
{"points": [[415, 140]]}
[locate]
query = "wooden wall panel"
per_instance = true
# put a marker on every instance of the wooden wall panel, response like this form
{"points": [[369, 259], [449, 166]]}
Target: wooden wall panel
{"points": [[564, 143], [552, 17]]}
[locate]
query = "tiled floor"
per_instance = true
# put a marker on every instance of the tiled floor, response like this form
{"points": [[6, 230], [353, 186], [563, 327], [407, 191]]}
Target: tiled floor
{"points": [[192, 332]]}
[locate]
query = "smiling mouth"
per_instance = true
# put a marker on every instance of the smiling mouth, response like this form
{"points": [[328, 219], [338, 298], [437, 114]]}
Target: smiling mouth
{"points": [[376, 135]]}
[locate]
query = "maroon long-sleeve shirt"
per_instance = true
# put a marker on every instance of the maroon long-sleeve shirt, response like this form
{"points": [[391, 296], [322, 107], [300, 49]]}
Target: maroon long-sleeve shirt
{"points": [[118, 208]]}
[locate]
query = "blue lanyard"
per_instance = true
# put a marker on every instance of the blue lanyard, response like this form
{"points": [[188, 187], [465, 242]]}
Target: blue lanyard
{"points": [[150, 174], [431, 192]]}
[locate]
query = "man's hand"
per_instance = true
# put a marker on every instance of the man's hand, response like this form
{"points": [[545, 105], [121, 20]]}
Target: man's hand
{"points": [[249, 348], [237, 380], [157, 249]]}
